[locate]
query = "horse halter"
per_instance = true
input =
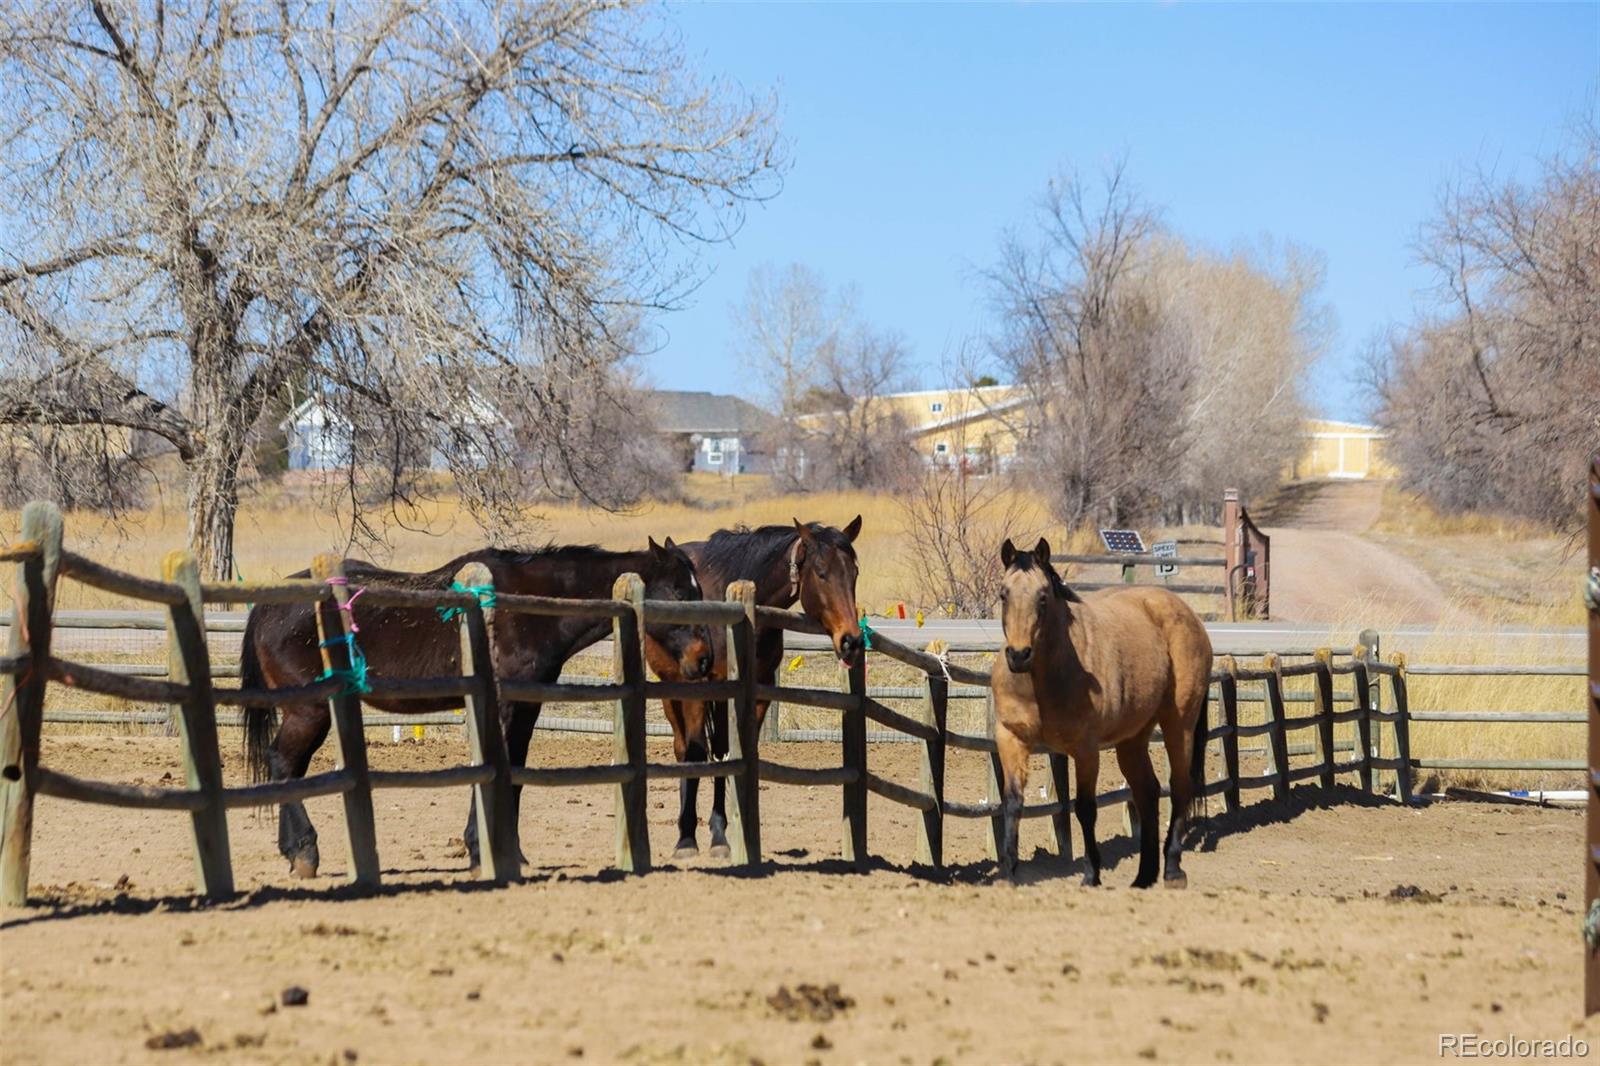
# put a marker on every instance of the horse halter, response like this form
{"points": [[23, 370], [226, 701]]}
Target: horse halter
{"points": [[794, 569]]}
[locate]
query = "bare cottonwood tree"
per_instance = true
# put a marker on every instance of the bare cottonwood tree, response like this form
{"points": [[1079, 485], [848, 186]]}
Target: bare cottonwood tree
{"points": [[1106, 376], [855, 437], [785, 325], [1493, 398], [394, 206]]}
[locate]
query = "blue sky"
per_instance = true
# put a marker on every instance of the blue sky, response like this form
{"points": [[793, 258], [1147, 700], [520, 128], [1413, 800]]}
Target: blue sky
{"points": [[918, 133]]}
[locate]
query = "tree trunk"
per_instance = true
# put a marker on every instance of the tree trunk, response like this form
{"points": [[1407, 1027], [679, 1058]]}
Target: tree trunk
{"points": [[213, 508]]}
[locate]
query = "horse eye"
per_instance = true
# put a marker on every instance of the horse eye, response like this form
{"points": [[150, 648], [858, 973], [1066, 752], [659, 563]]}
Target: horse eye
{"points": [[1043, 599]]}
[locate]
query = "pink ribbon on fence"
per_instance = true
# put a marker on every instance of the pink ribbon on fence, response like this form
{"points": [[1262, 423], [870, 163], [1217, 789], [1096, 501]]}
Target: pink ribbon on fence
{"points": [[348, 606]]}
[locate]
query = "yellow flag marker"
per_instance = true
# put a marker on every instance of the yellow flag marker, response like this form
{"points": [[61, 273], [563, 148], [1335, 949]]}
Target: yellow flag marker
{"points": [[794, 664], [416, 731], [919, 617]]}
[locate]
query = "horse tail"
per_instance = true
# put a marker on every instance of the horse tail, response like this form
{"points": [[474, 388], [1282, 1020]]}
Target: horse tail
{"points": [[1197, 760], [259, 722]]}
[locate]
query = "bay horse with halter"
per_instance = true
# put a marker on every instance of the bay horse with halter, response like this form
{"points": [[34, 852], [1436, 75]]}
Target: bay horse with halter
{"points": [[809, 562], [1081, 673], [281, 649]]}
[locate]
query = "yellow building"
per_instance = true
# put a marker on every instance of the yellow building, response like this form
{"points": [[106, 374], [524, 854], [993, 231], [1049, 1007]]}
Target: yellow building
{"points": [[1342, 450], [980, 424]]}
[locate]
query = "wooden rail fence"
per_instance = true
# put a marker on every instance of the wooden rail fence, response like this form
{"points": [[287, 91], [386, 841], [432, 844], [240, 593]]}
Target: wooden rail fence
{"points": [[29, 667]]}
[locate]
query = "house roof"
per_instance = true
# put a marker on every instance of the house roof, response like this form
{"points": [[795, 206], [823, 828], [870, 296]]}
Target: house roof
{"points": [[706, 412]]}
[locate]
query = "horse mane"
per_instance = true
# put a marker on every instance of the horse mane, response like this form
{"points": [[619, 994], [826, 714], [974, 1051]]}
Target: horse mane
{"points": [[426, 579], [742, 550], [1024, 561]]}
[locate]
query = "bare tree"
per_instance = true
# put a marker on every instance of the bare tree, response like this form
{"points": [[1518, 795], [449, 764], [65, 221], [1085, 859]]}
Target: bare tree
{"points": [[855, 437], [1493, 398], [1106, 376], [785, 324], [397, 206]]}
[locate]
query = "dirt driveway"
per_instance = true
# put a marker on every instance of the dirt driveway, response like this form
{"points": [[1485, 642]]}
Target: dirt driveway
{"points": [[1287, 948], [1324, 570]]}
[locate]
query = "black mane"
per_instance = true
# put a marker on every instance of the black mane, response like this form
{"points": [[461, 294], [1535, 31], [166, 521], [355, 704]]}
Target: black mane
{"points": [[1024, 561], [743, 550]]}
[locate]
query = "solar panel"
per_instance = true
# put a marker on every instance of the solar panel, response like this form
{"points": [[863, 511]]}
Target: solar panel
{"points": [[1122, 541]]}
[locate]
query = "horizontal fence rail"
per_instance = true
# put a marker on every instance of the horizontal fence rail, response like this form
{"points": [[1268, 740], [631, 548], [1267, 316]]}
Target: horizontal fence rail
{"points": [[1350, 688]]}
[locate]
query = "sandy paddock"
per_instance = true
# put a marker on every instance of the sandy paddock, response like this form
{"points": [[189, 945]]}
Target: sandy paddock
{"points": [[1287, 947]]}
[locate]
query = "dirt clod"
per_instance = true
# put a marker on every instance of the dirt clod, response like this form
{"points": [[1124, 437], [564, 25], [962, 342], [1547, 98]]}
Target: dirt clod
{"points": [[295, 996], [808, 1002], [1411, 892], [174, 1038]]}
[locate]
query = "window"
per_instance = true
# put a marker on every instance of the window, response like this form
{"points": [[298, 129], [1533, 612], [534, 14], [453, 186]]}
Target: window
{"points": [[941, 448], [936, 407], [714, 458]]}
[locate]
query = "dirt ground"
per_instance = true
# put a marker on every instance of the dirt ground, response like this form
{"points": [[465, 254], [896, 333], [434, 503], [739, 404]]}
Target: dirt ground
{"points": [[1287, 947]]}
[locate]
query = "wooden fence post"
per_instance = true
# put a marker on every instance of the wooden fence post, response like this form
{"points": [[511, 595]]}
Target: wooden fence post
{"points": [[1591, 848], [1278, 735], [189, 664], [1363, 695], [854, 730], [930, 827], [992, 793], [335, 633], [486, 741], [1228, 688], [1324, 705], [627, 730], [22, 696], [744, 739], [1402, 728], [1373, 643], [1232, 549]]}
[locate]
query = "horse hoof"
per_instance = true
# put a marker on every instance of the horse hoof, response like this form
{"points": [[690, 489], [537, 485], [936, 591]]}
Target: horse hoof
{"points": [[1176, 881], [686, 851], [1143, 882], [1091, 881], [721, 851], [304, 869]]}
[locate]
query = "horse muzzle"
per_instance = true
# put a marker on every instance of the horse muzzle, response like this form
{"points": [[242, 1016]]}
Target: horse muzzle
{"points": [[1020, 660], [850, 649]]}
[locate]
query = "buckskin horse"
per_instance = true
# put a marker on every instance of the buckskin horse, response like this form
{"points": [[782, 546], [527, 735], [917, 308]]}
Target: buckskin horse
{"points": [[281, 649], [812, 563], [1083, 673]]}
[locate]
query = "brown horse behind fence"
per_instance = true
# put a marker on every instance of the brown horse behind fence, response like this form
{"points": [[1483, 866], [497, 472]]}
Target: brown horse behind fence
{"points": [[1083, 673], [809, 562], [281, 650]]}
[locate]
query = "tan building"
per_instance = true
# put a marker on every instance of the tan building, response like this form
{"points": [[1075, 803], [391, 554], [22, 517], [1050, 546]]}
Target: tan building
{"points": [[979, 424], [1342, 450]]}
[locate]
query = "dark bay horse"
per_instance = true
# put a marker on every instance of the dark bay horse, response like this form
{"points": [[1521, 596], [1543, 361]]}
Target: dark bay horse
{"points": [[1083, 673], [812, 563], [281, 649]]}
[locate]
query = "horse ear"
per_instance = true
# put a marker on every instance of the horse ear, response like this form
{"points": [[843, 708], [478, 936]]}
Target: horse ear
{"points": [[1008, 553], [805, 531], [655, 549], [853, 530], [668, 544], [1041, 554]]}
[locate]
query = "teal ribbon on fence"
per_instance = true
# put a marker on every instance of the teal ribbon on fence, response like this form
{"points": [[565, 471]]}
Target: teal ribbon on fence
{"points": [[355, 678], [485, 594], [866, 632]]}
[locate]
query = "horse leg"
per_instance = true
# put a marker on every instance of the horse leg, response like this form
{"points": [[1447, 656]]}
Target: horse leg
{"points": [[1180, 746], [305, 727], [1133, 756], [1014, 770], [518, 720], [1087, 764], [687, 719], [718, 822]]}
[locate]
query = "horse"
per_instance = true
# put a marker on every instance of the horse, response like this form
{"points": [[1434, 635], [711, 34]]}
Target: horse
{"points": [[809, 562], [1081, 673], [281, 649]]}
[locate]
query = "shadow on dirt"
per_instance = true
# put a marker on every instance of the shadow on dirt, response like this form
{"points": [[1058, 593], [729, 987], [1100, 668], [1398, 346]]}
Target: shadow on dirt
{"points": [[1204, 834]]}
